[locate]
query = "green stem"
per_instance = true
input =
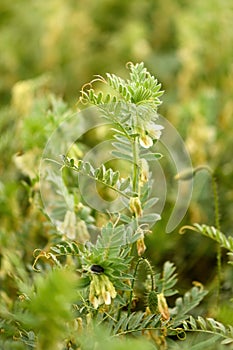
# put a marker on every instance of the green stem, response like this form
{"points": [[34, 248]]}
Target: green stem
{"points": [[135, 164], [151, 273], [136, 189], [135, 150], [132, 285], [217, 225], [216, 203]]}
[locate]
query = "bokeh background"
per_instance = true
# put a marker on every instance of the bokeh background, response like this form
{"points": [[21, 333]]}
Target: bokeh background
{"points": [[49, 49]]}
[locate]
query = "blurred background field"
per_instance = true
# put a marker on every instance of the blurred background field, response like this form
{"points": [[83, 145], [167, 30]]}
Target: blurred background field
{"points": [[49, 49]]}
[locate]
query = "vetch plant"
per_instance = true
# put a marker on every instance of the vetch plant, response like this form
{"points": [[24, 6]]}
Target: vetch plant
{"points": [[107, 260], [132, 110], [108, 267]]}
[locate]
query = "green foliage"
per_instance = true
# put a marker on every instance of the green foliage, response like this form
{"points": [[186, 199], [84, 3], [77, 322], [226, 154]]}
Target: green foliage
{"points": [[107, 268], [97, 337], [45, 306], [210, 325], [36, 312], [168, 280], [141, 89], [49, 307], [102, 175], [189, 301], [214, 234], [136, 322]]}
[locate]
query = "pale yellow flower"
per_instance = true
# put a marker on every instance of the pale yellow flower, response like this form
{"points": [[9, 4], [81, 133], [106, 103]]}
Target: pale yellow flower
{"points": [[145, 141], [151, 132], [102, 291], [144, 171], [163, 307], [107, 298], [68, 226], [135, 206], [154, 130], [141, 247], [83, 234]]}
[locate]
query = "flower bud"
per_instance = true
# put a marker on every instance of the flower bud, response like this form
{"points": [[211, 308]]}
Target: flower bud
{"points": [[163, 307], [83, 234], [97, 284], [102, 290], [92, 293], [141, 247], [135, 206], [109, 286], [107, 298], [144, 171], [69, 225]]}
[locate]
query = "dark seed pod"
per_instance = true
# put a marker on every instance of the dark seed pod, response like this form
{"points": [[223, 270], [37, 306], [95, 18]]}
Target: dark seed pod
{"points": [[97, 269], [152, 302]]}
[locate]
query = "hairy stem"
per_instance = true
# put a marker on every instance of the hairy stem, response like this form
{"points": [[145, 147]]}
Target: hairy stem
{"points": [[132, 284], [217, 224], [151, 273], [135, 164]]}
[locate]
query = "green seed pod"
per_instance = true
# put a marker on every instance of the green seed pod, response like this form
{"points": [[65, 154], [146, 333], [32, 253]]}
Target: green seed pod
{"points": [[185, 175], [152, 302]]}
